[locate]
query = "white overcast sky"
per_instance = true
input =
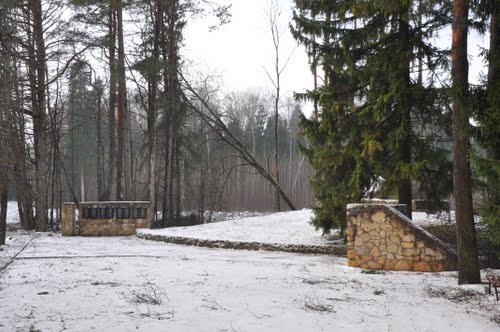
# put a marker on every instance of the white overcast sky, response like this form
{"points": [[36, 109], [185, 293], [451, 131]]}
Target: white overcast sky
{"points": [[239, 50]]}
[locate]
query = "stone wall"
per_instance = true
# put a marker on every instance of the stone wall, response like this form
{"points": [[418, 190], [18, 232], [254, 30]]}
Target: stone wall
{"points": [[107, 218], [68, 219], [336, 250], [381, 237]]}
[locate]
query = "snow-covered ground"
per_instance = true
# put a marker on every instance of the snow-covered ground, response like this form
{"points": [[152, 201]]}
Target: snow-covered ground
{"points": [[12, 213], [128, 284], [423, 218], [283, 228]]}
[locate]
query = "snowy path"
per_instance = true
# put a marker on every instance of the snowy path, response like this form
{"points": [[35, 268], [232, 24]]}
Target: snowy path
{"points": [[129, 284]]}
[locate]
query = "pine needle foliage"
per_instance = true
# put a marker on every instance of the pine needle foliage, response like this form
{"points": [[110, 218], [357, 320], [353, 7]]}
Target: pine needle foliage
{"points": [[376, 117], [486, 161]]}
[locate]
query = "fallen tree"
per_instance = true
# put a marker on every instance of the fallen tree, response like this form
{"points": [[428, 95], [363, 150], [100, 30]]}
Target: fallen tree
{"points": [[214, 120]]}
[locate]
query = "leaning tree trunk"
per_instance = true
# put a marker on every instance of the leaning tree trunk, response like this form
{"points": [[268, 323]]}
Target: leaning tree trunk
{"points": [[468, 265], [214, 121]]}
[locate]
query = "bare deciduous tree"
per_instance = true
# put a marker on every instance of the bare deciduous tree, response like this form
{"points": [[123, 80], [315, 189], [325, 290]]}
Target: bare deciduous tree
{"points": [[213, 119], [273, 15]]}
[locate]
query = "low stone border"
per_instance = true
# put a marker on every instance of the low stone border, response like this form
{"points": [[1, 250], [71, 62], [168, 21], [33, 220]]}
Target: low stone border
{"points": [[336, 250]]}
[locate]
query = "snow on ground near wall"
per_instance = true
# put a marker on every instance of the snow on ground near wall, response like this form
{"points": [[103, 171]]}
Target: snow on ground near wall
{"points": [[294, 217], [284, 227], [127, 284], [422, 218]]}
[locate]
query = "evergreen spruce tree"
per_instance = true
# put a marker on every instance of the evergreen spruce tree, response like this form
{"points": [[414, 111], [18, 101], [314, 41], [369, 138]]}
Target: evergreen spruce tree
{"points": [[365, 128], [487, 165]]}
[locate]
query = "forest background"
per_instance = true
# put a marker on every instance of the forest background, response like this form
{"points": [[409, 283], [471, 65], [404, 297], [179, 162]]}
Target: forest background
{"points": [[393, 112]]}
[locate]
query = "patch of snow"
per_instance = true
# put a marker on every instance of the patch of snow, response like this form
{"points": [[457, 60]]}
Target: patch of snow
{"points": [[12, 213], [127, 284], [223, 215], [285, 227], [444, 217], [432, 218]]}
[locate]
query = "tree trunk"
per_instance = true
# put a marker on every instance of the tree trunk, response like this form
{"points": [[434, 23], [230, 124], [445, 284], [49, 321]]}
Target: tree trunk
{"points": [[107, 195], [152, 105], [468, 265], [493, 88], [166, 178], [171, 166], [420, 49], [123, 170], [55, 137], [3, 209], [122, 96], [274, 14], [39, 116], [177, 183], [23, 191], [99, 145], [314, 69], [171, 86], [326, 45], [276, 119], [404, 190]]}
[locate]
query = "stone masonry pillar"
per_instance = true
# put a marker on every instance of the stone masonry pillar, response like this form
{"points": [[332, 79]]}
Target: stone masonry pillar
{"points": [[68, 219]]}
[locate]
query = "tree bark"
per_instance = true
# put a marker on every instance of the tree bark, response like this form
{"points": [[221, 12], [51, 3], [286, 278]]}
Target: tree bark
{"points": [[274, 14], [39, 116], [3, 209], [21, 177], [276, 119], [55, 126], [177, 183], [171, 109], [3, 190], [108, 191], [404, 189], [493, 87], [152, 105], [468, 265], [123, 173], [99, 145]]}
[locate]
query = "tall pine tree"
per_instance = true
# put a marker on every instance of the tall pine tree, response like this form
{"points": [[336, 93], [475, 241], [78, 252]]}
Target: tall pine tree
{"points": [[370, 125], [487, 165]]}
